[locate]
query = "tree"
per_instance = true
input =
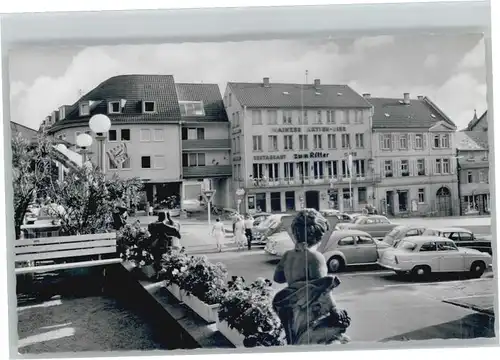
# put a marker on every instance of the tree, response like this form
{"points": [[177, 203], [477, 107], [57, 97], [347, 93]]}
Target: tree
{"points": [[32, 170]]}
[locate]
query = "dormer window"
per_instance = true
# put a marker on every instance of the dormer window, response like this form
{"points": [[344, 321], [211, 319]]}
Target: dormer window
{"points": [[62, 113], [192, 108], [114, 107], [84, 109], [148, 107]]}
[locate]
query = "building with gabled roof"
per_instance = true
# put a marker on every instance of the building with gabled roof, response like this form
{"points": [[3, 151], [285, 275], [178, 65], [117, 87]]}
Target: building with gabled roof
{"points": [[175, 135], [291, 145], [413, 144], [478, 123]]}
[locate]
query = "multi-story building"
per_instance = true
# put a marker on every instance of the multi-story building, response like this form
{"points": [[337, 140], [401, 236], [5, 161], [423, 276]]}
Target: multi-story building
{"points": [[291, 145], [175, 135], [413, 144], [474, 168], [478, 124]]}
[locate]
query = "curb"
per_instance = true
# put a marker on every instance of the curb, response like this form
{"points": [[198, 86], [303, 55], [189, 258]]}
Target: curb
{"points": [[471, 307]]}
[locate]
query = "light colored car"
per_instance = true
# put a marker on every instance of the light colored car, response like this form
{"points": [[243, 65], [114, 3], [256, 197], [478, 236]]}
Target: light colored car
{"points": [[350, 247], [422, 255], [260, 217], [377, 226], [279, 243], [271, 225], [463, 238], [400, 232]]}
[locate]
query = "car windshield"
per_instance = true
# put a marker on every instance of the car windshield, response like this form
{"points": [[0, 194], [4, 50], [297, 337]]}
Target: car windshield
{"points": [[359, 220], [271, 221], [394, 233], [406, 245]]}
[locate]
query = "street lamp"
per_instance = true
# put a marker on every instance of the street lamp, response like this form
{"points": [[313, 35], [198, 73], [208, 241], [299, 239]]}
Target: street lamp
{"points": [[84, 141], [100, 125]]}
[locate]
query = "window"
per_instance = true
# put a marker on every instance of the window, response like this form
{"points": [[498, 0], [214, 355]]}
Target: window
{"points": [[346, 141], [330, 117], [319, 119], [305, 119], [158, 135], [303, 142], [114, 107], [445, 141], [347, 241], [272, 117], [273, 171], [419, 141], [386, 142], [421, 196], [343, 117], [318, 169], [145, 135], [237, 118], [430, 246], [360, 143], [287, 117], [481, 176], [159, 162], [439, 168], [446, 166], [84, 109], [112, 135], [111, 164], [345, 169], [388, 168], [365, 240], [359, 116], [257, 142], [466, 236], [273, 142], [446, 246], [125, 134], [405, 168], [403, 142], [332, 141], [421, 167], [196, 159], [191, 108], [126, 164], [470, 179], [148, 107], [289, 170], [437, 141], [303, 169], [359, 168], [362, 195], [193, 134], [258, 171], [317, 141], [331, 168], [256, 117], [146, 162], [288, 139]]}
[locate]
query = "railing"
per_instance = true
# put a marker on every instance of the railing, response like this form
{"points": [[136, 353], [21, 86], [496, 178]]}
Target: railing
{"points": [[206, 171], [311, 180], [207, 144]]}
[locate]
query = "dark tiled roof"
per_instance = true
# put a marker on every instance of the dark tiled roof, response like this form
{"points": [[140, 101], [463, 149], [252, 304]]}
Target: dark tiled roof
{"points": [[393, 113], [479, 137], [209, 94], [274, 96], [26, 132], [475, 120], [134, 89]]}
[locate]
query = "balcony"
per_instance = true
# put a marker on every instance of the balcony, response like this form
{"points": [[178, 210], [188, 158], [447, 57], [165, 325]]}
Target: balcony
{"points": [[207, 144], [200, 172], [300, 181]]}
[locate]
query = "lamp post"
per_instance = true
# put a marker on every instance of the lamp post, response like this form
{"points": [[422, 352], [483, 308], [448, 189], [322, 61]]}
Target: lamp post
{"points": [[100, 125], [84, 141], [349, 165]]}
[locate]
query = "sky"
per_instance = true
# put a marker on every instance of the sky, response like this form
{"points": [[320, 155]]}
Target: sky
{"points": [[449, 69]]}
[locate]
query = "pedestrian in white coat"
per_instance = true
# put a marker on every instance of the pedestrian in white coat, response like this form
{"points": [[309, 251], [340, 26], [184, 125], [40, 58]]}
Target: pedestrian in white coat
{"points": [[219, 233]]}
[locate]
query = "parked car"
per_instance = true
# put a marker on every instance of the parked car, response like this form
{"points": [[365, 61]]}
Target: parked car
{"points": [[350, 247], [377, 226], [271, 225], [278, 243], [401, 231], [463, 238], [426, 254], [259, 217]]}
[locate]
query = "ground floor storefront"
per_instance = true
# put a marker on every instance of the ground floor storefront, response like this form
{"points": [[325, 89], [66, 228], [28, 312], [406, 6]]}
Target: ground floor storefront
{"points": [[421, 199], [295, 198], [476, 204]]}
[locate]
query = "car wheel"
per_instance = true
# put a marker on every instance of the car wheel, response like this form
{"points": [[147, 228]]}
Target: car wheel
{"points": [[335, 264], [477, 268], [421, 271]]}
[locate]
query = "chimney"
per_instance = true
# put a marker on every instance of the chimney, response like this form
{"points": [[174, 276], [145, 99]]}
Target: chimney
{"points": [[317, 82], [420, 97], [406, 98], [266, 82], [367, 96]]}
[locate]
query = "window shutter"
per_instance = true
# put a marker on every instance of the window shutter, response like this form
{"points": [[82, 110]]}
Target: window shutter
{"points": [[411, 166], [424, 141], [382, 168], [452, 166], [394, 143], [397, 168], [427, 168], [381, 138]]}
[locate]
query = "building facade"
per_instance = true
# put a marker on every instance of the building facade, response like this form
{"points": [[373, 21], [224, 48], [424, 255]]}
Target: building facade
{"points": [[474, 172], [153, 120], [291, 145], [413, 144]]}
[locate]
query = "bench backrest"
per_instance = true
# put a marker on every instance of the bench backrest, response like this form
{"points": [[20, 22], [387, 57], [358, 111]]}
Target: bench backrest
{"points": [[64, 247]]}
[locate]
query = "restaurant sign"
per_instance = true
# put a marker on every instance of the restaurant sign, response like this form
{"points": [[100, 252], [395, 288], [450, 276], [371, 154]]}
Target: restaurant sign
{"points": [[311, 155], [291, 129], [269, 157]]}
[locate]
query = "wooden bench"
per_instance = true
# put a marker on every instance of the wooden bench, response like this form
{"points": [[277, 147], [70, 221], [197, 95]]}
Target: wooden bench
{"points": [[64, 248]]}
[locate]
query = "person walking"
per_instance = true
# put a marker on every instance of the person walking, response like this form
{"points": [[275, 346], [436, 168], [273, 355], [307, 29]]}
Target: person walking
{"points": [[248, 230], [239, 232], [219, 233], [161, 238]]}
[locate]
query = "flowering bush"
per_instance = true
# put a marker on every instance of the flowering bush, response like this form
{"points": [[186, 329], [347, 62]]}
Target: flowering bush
{"points": [[133, 245], [139, 256], [205, 280], [248, 309], [174, 266]]}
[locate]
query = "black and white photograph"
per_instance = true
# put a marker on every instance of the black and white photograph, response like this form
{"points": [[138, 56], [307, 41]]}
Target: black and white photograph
{"points": [[329, 190]]}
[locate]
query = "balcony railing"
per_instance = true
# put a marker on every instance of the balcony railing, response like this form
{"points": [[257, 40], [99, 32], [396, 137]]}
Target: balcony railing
{"points": [[206, 171], [206, 144], [299, 181]]}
